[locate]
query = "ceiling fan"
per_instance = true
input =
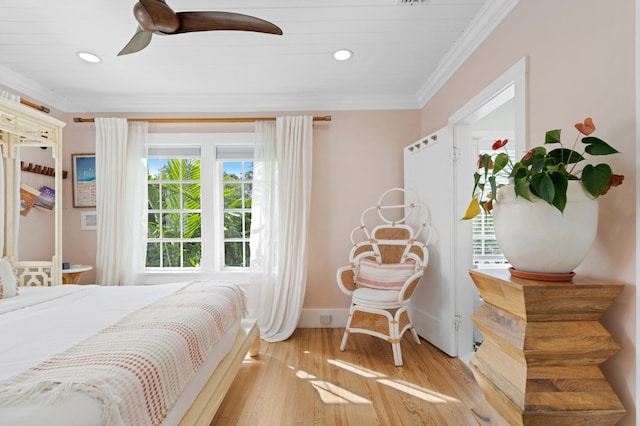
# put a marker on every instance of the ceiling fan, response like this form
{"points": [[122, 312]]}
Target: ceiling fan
{"points": [[156, 17]]}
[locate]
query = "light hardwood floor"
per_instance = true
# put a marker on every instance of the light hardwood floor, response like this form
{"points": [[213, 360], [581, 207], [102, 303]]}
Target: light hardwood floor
{"points": [[306, 380]]}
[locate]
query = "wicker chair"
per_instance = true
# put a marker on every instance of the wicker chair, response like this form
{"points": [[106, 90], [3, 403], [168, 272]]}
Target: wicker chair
{"points": [[385, 267]]}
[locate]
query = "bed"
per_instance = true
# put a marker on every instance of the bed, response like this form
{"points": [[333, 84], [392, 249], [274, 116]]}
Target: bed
{"points": [[94, 355], [47, 327]]}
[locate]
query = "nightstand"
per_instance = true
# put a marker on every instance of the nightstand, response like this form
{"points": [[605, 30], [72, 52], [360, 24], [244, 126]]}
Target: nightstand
{"points": [[73, 274]]}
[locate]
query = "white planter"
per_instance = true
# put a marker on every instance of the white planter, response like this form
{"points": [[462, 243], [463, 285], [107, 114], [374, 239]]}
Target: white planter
{"points": [[536, 237]]}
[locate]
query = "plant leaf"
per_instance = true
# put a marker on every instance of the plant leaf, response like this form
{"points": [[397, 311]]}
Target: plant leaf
{"points": [[543, 186], [500, 162], [596, 146], [560, 183], [552, 136], [476, 180], [472, 210], [595, 179], [494, 189], [522, 189], [538, 164], [565, 156]]}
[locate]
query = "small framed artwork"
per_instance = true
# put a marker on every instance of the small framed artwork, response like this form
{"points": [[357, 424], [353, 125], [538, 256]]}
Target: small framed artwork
{"points": [[88, 220], [83, 171]]}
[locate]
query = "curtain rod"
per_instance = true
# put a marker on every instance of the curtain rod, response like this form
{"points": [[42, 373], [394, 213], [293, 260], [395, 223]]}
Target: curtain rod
{"points": [[201, 120], [36, 106]]}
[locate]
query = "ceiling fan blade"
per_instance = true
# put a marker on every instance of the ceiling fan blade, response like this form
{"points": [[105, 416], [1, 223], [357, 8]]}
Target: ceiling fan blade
{"points": [[213, 21], [139, 41], [155, 16]]}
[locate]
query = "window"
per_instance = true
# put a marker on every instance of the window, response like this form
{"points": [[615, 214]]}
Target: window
{"points": [[199, 191], [174, 225], [486, 252], [238, 184]]}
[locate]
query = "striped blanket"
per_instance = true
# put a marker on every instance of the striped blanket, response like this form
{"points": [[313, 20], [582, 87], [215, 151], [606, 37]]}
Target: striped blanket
{"points": [[138, 367]]}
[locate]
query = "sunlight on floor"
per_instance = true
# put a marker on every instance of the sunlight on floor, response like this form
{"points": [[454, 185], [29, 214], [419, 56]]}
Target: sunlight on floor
{"points": [[304, 375], [417, 391], [355, 368], [332, 394]]}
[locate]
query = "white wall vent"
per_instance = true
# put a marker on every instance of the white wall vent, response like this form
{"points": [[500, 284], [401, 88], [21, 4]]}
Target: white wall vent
{"points": [[412, 2]]}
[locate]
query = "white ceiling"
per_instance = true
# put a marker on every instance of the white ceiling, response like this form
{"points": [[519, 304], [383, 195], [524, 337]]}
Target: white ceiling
{"points": [[402, 54]]}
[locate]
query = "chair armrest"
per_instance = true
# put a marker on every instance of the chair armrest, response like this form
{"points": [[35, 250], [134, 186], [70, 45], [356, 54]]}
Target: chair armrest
{"points": [[410, 285], [345, 278]]}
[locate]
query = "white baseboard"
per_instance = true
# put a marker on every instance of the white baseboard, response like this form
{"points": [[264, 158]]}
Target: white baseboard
{"points": [[310, 318]]}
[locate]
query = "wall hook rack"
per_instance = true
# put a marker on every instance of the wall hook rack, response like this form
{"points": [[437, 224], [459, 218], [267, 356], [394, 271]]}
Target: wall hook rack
{"points": [[41, 170]]}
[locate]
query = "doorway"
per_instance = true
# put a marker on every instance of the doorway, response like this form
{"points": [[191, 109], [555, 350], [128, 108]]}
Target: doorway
{"points": [[497, 112]]}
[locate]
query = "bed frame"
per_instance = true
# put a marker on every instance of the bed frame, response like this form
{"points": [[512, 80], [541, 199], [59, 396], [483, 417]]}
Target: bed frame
{"points": [[208, 401], [21, 125]]}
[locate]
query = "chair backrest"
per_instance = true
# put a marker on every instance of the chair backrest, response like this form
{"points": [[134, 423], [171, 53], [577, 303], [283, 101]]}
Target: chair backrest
{"points": [[391, 241]]}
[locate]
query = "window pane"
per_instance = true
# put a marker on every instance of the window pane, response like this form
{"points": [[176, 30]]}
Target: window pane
{"points": [[232, 225], [232, 170], [191, 196], [153, 225], [153, 191], [247, 225], [232, 195], [192, 225], [192, 255], [171, 196], [171, 225], [233, 252], [248, 192], [153, 167], [153, 254], [170, 169], [171, 255], [248, 170], [191, 169]]}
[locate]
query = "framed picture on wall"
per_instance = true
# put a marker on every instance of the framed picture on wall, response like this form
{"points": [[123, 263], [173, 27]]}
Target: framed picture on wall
{"points": [[83, 171], [88, 220]]}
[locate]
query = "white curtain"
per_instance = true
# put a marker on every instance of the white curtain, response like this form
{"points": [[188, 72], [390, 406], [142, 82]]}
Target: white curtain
{"points": [[121, 152], [16, 190], [279, 222]]}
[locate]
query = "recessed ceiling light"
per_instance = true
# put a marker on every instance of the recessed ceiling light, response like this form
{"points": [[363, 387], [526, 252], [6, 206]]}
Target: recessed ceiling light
{"points": [[89, 57], [342, 54]]}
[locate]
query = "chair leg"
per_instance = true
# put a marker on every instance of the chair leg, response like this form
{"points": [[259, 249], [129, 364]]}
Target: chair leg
{"points": [[394, 334], [415, 334], [345, 336], [397, 354]]}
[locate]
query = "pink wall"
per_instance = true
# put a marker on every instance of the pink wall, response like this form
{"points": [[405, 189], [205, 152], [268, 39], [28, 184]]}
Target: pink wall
{"points": [[581, 57], [357, 156], [581, 63]]}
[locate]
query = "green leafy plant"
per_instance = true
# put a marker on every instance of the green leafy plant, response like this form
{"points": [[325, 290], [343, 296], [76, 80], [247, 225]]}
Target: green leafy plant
{"points": [[542, 173]]}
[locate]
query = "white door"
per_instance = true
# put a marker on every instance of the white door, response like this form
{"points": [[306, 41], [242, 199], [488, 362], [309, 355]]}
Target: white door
{"points": [[429, 174]]}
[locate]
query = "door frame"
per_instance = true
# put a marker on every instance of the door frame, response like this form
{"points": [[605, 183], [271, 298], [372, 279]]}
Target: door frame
{"points": [[512, 84]]}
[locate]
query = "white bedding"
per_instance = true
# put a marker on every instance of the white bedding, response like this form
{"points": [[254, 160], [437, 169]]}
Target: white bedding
{"points": [[42, 322]]}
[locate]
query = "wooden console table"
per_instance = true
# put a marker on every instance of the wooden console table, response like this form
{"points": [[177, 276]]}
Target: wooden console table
{"points": [[543, 344]]}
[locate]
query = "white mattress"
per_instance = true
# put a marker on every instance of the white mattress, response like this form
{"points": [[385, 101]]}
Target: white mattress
{"points": [[42, 322]]}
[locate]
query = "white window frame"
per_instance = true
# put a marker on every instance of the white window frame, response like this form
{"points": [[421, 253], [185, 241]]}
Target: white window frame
{"points": [[212, 218]]}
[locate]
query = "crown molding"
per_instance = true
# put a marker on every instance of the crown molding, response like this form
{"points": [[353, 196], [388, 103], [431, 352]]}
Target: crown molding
{"points": [[243, 102], [28, 88], [483, 24]]}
